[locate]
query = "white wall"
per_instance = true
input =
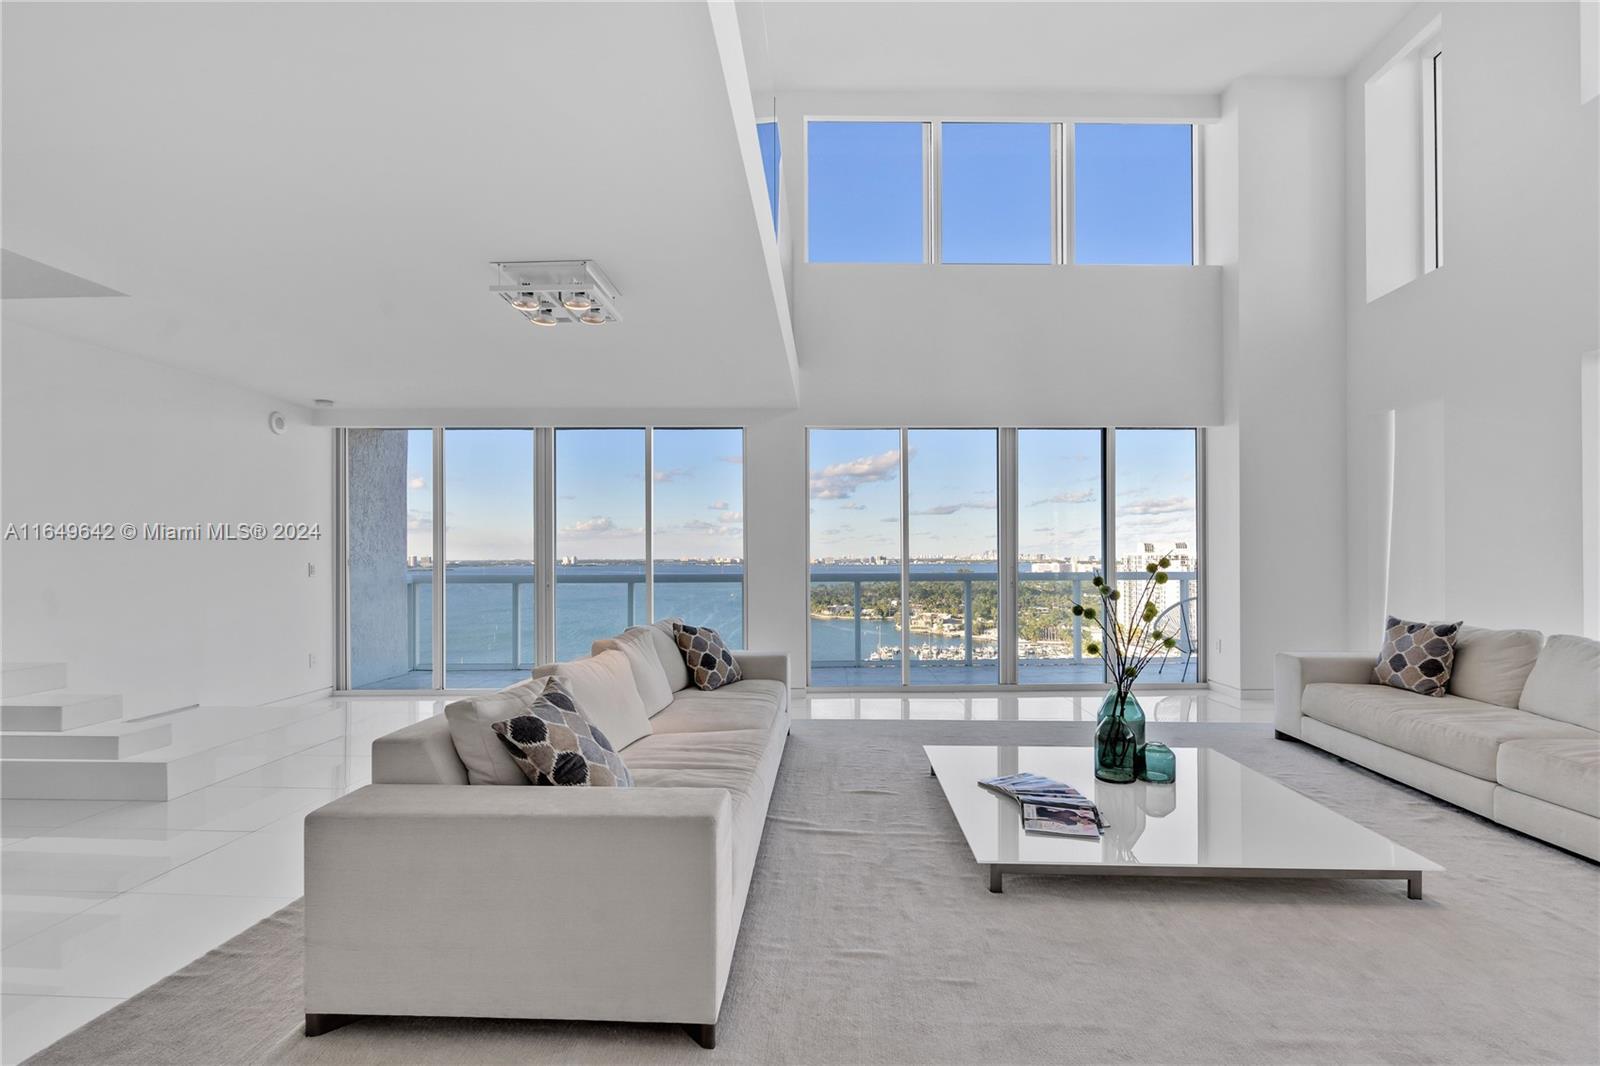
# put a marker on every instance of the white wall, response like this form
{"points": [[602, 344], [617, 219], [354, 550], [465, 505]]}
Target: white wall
{"points": [[1275, 468], [91, 435], [1481, 359]]}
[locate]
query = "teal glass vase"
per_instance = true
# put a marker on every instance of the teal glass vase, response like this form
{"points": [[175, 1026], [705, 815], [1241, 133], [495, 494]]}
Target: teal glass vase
{"points": [[1160, 765], [1118, 738]]}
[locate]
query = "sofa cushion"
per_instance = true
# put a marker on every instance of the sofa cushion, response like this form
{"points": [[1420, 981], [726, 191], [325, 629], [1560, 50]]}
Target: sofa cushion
{"points": [[1417, 655], [668, 654], [1462, 734], [554, 744], [741, 705], [471, 723], [1565, 683], [723, 749], [1563, 772], [711, 665], [602, 685], [1491, 665], [648, 677]]}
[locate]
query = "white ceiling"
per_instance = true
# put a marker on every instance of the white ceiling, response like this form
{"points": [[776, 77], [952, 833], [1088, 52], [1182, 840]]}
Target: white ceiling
{"points": [[1126, 47], [304, 198]]}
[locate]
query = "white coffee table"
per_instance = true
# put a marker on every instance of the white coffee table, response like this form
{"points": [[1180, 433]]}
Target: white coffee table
{"points": [[1219, 819]]}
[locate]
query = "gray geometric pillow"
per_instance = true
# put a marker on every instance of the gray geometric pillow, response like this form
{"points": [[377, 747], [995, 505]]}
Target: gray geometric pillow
{"points": [[711, 665], [554, 744], [1417, 656]]}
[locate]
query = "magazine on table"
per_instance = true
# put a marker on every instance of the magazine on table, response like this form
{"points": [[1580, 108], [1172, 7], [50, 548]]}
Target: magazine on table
{"points": [[1048, 805]]}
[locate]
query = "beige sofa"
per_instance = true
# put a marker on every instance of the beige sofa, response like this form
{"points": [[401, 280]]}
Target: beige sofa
{"points": [[429, 896], [1517, 739]]}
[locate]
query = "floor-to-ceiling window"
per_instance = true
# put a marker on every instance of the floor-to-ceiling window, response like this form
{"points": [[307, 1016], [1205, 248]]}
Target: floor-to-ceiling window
{"points": [[935, 518], [548, 539], [489, 553], [855, 553], [600, 536], [1060, 547], [954, 540], [697, 518], [389, 558], [1157, 516]]}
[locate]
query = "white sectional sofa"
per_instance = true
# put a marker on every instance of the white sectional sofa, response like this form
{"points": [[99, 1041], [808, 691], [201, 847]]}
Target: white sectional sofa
{"points": [[426, 895], [1517, 738]]}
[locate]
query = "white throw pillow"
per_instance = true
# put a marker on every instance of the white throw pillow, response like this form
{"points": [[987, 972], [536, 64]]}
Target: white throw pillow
{"points": [[602, 686], [666, 645], [471, 724], [648, 677], [1565, 683], [1492, 665]]}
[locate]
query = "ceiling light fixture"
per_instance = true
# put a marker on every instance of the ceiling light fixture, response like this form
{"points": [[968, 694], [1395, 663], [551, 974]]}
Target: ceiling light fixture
{"points": [[557, 292]]}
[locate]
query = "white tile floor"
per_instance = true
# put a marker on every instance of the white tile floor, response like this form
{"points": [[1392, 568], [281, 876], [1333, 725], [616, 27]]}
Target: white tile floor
{"points": [[102, 899]]}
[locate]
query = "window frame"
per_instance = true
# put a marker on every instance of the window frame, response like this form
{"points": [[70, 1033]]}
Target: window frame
{"points": [[544, 518], [1007, 518], [1062, 187]]}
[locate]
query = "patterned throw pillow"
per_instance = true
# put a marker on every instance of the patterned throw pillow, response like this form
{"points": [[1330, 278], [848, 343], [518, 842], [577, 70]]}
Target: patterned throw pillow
{"points": [[1417, 655], [711, 665], [554, 744]]}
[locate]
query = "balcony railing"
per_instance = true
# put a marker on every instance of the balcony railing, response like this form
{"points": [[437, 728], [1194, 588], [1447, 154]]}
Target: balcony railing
{"points": [[519, 648], [1069, 583], [419, 599]]}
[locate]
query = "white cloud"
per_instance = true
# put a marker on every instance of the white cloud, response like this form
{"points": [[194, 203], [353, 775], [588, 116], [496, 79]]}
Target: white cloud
{"points": [[417, 483], [1081, 496], [952, 508], [720, 505], [672, 473], [597, 524], [839, 481], [731, 517], [851, 506], [1155, 505]]}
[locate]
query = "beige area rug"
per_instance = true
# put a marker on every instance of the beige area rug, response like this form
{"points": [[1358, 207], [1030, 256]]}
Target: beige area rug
{"points": [[871, 937]]}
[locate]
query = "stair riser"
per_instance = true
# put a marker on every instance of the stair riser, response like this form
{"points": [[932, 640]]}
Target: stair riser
{"points": [[36, 677], [69, 746]]}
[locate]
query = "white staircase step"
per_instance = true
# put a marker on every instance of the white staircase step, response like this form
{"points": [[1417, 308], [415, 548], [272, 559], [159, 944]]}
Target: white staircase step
{"points": [[209, 744], [57, 712], [24, 679], [111, 740]]}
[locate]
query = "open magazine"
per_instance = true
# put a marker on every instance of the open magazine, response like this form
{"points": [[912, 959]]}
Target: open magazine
{"points": [[1049, 806]]}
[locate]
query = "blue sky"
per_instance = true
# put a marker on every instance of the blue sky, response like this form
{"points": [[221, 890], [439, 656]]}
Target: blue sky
{"points": [[855, 491], [1132, 192], [699, 493]]}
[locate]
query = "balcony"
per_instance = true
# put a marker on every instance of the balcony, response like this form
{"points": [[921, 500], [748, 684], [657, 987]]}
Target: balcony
{"points": [[854, 641]]}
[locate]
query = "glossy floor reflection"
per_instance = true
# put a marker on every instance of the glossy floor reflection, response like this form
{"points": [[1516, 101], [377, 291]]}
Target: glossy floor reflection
{"points": [[103, 898]]}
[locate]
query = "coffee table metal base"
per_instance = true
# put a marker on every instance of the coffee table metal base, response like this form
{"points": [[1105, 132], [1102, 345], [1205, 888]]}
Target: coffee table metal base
{"points": [[1412, 878]]}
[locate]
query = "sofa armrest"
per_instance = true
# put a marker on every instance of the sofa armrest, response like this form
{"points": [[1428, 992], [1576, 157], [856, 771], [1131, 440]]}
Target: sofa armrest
{"points": [[462, 901], [1294, 670], [764, 665]]}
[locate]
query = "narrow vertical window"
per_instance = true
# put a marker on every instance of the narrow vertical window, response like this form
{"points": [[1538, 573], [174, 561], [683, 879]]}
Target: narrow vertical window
{"points": [[771, 160], [600, 536], [1060, 547], [1156, 518], [1433, 158]]}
